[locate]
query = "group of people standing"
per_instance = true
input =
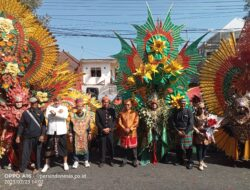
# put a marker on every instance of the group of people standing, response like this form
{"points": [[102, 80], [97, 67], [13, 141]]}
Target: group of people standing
{"points": [[55, 128]]}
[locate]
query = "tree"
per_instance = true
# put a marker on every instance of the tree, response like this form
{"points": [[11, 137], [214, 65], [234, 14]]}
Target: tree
{"points": [[247, 7], [34, 5]]}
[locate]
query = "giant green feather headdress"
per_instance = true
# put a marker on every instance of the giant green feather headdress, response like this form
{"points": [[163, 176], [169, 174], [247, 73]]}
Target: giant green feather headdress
{"points": [[156, 64]]}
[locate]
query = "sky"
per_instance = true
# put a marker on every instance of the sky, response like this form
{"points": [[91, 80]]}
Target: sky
{"points": [[85, 28]]}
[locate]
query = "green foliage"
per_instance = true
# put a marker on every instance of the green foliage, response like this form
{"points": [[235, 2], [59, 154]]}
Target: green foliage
{"points": [[32, 4]]}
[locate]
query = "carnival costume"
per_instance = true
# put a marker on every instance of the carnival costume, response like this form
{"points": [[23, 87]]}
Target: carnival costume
{"points": [[156, 66], [28, 66], [224, 81], [80, 131]]}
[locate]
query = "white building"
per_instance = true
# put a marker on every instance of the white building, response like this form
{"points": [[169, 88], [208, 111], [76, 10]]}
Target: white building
{"points": [[99, 75], [235, 26]]}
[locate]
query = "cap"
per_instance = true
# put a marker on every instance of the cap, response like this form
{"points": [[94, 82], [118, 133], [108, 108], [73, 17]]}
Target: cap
{"points": [[18, 99], [57, 98], [183, 100], [80, 101], [32, 100], [154, 101], [105, 98]]}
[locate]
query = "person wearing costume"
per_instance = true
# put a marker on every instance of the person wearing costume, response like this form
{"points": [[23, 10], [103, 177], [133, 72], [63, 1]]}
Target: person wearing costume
{"points": [[225, 89], [153, 127], [201, 140], [79, 133], [32, 128], [128, 121], [9, 132], [182, 122], [56, 114], [105, 121], [29, 65]]}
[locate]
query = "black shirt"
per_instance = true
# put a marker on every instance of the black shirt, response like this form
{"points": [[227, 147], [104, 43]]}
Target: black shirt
{"points": [[104, 118], [183, 119], [28, 128]]}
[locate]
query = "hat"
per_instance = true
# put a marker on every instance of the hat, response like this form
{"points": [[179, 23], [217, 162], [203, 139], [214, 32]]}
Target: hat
{"points": [[57, 98], [183, 100], [32, 100], [105, 98], [154, 101], [18, 99], [79, 101]]}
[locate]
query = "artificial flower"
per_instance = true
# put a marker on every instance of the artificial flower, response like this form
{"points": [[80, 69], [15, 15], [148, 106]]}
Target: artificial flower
{"points": [[6, 25], [12, 68]]}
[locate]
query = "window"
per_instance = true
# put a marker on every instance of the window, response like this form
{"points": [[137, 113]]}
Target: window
{"points": [[96, 72], [93, 91]]}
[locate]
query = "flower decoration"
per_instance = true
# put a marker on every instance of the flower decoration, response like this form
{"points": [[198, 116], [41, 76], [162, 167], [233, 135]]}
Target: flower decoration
{"points": [[174, 68], [174, 98], [146, 71], [211, 122], [12, 68], [157, 47], [5, 85], [42, 96], [131, 80], [2, 150], [6, 25]]}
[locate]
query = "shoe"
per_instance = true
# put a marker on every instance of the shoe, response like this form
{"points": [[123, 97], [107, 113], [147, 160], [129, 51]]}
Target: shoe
{"points": [[9, 167], [204, 165], [123, 164], [101, 165], [32, 165], [45, 168], [201, 167], [176, 163], [86, 164], [165, 161], [135, 164], [66, 166], [75, 165], [35, 171], [190, 165]]}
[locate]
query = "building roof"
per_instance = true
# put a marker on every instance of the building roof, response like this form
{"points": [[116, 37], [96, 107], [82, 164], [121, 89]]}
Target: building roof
{"points": [[73, 62], [234, 25], [99, 61], [71, 57]]}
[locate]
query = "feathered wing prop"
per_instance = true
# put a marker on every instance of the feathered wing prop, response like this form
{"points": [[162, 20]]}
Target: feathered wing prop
{"points": [[43, 53], [216, 76], [224, 82], [23, 37], [155, 64], [28, 57], [57, 82]]}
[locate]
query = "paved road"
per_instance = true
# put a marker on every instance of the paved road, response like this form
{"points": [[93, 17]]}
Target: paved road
{"points": [[219, 175]]}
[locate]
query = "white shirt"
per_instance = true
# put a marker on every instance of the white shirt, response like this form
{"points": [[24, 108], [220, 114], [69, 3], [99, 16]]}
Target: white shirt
{"points": [[57, 123]]}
